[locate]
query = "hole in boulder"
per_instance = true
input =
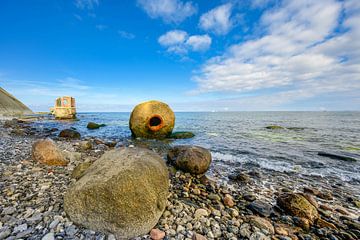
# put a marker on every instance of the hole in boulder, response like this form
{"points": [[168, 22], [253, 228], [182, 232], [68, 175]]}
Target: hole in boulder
{"points": [[154, 121]]}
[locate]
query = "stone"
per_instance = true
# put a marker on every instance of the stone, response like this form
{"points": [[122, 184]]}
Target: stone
{"points": [[321, 223], [157, 234], [86, 145], [297, 205], [191, 159], [215, 197], [70, 134], [4, 233], [152, 119], [80, 170], [46, 152], [260, 207], [197, 236], [92, 125], [8, 210], [274, 127], [182, 135], [240, 177], [48, 236], [311, 200], [261, 223], [228, 201], [123, 193], [281, 231], [201, 213]]}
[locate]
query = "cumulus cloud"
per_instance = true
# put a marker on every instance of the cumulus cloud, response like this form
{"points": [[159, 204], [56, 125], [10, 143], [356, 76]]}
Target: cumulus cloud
{"points": [[199, 42], [170, 11], [86, 4], [217, 20], [307, 50], [173, 37], [179, 42]]}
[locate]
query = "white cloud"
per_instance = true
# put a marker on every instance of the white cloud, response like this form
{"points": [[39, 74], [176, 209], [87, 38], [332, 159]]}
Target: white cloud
{"points": [[173, 37], [217, 20], [179, 42], [126, 35], [199, 42], [86, 4], [170, 11], [300, 56]]}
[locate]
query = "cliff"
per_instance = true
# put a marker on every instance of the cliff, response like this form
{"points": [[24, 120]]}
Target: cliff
{"points": [[10, 106]]}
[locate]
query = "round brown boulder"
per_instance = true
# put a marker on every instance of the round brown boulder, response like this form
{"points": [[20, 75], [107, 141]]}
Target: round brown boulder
{"points": [[152, 119], [123, 193], [191, 159], [46, 152]]}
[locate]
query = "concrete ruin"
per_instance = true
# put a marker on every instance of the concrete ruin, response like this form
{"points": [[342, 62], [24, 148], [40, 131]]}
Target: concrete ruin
{"points": [[10, 106], [64, 108]]}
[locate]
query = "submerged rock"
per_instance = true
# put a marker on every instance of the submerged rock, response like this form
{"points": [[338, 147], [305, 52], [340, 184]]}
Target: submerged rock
{"points": [[46, 152], [152, 119], [273, 127], [92, 125], [182, 135], [297, 205], [69, 134], [191, 159], [124, 193], [340, 156]]}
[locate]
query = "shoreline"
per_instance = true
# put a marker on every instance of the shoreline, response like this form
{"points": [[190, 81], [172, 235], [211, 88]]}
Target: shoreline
{"points": [[31, 201]]}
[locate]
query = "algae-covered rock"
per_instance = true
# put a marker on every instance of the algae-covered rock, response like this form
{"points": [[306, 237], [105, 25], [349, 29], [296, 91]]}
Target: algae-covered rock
{"points": [[46, 152], [92, 125], [182, 135], [297, 205], [191, 159], [123, 193], [69, 134], [152, 119]]}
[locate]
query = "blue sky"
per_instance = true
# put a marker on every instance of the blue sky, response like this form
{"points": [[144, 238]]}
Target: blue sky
{"points": [[195, 55]]}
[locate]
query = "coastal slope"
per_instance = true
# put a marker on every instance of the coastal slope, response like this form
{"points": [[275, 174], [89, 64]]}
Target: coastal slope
{"points": [[10, 106]]}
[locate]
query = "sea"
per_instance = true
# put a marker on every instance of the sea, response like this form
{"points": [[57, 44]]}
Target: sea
{"points": [[238, 139]]}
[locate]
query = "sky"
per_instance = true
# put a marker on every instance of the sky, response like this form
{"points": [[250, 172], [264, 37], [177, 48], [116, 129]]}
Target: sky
{"points": [[235, 55]]}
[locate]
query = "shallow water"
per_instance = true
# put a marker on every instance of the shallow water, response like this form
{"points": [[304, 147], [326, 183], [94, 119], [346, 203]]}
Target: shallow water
{"points": [[240, 139]]}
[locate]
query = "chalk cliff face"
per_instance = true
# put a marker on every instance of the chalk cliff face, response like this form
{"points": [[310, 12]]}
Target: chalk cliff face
{"points": [[10, 106]]}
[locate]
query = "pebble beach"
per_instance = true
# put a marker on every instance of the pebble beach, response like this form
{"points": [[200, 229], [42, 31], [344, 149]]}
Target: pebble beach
{"points": [[244, 205]]}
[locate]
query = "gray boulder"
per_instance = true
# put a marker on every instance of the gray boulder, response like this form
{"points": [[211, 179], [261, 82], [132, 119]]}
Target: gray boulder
{"points": [[123, 193]]}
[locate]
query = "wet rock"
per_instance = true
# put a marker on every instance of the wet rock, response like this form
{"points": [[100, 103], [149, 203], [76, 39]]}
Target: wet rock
{"points": [[340, 156], [80, 170], [191, 159], [70, 134], [46, 152], [92, 125], [4, 233], [240, 177], [274, 127], [124, 193], [297, 205], [304, 223], [311, 200], [157, 234], [182, 135], [260, 207], [261, 223]]}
